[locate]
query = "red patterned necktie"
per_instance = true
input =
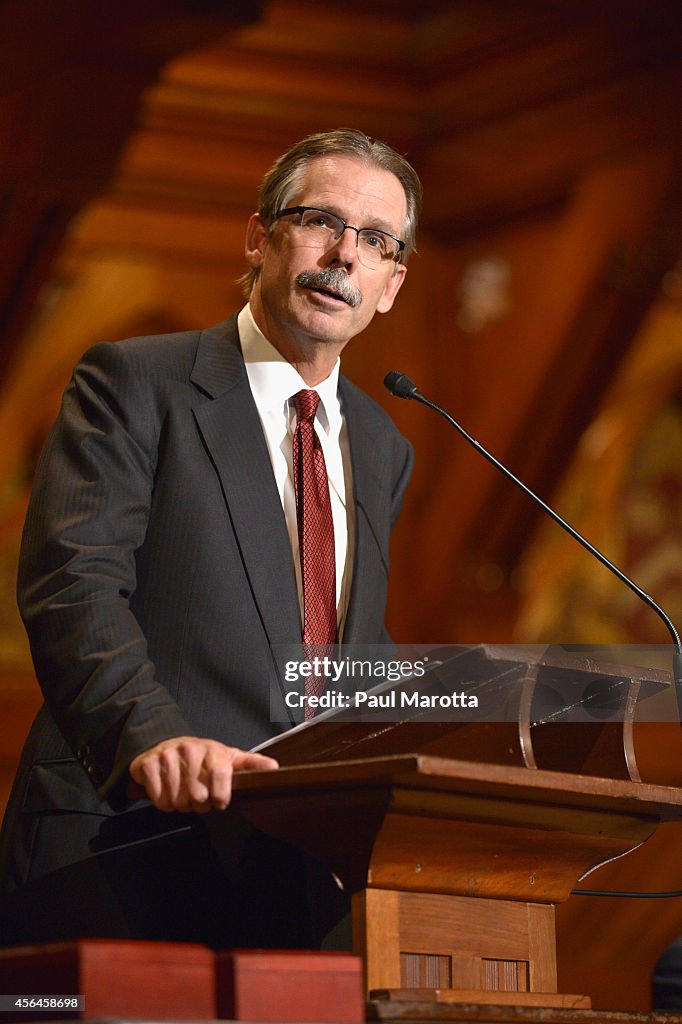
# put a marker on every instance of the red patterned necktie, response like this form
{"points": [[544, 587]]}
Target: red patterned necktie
{"points": [[315, 536]]}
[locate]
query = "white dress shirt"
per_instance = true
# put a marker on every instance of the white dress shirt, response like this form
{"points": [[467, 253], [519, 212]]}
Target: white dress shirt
{"points": [[274, 382]]}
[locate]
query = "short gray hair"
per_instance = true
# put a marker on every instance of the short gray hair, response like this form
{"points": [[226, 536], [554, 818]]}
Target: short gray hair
{"points": [[286, 175]]}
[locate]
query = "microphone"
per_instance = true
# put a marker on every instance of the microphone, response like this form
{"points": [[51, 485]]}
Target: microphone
{"points": [[401, 386]]}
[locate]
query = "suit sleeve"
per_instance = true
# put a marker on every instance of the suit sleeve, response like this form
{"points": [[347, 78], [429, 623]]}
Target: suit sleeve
{"points": [[87, 518]]}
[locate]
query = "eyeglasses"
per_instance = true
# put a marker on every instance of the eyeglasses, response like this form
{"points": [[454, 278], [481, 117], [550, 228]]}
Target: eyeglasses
{"points": [[322, 228]]}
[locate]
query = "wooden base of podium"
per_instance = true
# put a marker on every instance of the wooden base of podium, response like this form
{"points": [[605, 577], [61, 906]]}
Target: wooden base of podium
{"points": [[450, 996], [454, 868], [430, 941]]}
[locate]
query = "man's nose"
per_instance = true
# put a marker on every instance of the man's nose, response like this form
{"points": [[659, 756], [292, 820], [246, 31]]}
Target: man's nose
{"points": [[345, 248]]}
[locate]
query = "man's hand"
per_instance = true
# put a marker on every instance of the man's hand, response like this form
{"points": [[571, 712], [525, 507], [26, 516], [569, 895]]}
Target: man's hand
{"points": [[187, 773]]}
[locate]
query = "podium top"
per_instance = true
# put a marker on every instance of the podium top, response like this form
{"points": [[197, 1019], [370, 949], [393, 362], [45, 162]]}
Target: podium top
{"points": [[467, 778]]}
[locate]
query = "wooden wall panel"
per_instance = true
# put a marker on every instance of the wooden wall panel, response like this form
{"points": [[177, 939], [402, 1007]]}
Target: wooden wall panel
{"points": [[71, 83]]}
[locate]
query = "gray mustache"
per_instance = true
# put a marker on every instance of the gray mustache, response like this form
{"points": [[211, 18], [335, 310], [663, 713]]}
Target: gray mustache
{"points": [[334, 280]]}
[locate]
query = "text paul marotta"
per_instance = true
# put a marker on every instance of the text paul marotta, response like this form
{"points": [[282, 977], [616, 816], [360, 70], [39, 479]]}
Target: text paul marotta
{"points": [[384, 671]]}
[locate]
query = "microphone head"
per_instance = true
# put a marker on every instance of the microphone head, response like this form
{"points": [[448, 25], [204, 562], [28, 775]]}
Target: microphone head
{"points": [[400, 385]]}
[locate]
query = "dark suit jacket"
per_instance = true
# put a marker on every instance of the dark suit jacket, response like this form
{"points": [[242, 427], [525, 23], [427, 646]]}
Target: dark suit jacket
{"points": [[156, 576]]}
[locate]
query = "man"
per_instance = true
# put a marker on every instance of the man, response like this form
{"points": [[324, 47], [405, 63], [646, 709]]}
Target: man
{"points": [[165, 558]]}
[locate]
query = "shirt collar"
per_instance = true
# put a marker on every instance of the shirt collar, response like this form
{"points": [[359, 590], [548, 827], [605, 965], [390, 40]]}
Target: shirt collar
{"points": [[274, 381]]}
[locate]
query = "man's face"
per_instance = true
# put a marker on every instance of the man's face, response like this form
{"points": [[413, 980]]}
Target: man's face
{"points": [[291, 313]]}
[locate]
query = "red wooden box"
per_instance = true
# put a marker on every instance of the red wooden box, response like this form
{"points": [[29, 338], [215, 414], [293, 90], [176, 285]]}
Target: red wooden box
{"points": [[118, 978], [289, 985]]}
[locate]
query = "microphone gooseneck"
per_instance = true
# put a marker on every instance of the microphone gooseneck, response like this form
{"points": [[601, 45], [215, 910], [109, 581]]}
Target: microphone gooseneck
{"points": [[401, 386]]}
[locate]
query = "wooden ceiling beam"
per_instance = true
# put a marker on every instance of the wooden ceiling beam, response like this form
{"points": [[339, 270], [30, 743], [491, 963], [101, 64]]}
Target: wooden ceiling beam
{"points": [[529, 158], [544, 70]]}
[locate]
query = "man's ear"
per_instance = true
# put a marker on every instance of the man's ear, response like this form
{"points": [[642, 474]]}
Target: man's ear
{"points": [[256, 240], [392, 288]]}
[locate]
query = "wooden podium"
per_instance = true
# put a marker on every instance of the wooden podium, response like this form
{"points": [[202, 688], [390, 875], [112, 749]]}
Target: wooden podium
{"points": [[455, 866]]}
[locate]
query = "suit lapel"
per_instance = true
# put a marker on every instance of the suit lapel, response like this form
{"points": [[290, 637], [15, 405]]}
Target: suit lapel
{"points": [[372, 512], [232, 432], [233, 435]]}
